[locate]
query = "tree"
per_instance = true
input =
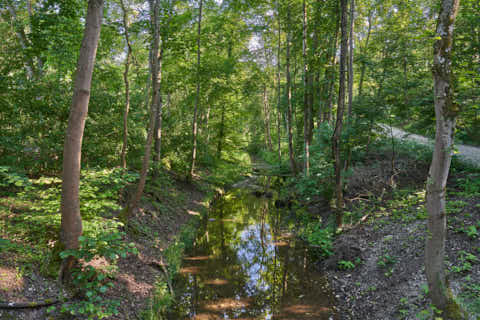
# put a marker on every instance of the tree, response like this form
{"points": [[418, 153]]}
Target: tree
{"points": [[154, 69], [340, 108], [197, 97], [293, 165], [126, 24], [71, 224], [446, 111]]}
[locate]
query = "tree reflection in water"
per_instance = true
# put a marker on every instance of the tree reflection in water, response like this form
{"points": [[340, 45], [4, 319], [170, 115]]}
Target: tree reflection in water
{"points": [[245, 266]]}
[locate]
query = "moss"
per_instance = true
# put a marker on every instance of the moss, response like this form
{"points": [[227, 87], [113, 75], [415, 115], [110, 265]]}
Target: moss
{"points": [[453, 310]]}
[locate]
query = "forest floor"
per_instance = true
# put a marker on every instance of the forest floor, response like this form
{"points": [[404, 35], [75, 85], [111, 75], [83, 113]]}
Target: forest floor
{"points": [[167, 208], [384, 240]]}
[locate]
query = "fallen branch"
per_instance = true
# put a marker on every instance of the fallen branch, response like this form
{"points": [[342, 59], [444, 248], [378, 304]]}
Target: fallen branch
{"points": [[25, 305]]}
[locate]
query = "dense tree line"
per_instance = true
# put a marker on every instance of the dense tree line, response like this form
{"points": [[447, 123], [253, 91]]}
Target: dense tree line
{"points": [[189, 83]]}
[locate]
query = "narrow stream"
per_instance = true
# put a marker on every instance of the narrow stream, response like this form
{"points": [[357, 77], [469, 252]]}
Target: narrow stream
{"points": [[245, 265]]}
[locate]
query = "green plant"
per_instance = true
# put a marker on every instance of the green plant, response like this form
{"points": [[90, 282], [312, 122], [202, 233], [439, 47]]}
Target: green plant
{"points": [[466, 260], [319, 237], [472, 232], [92, 283], [385, 260], [345, 265]]}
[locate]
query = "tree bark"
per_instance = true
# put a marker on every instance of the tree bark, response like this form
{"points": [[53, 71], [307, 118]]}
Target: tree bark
{"points": [[197, 98], [154, 16], [293, 165], [446, 112], [71, 221], [350, 82], [279, 101], [266, 110], [364, 65], [339, 122], [158, 121], [123, 155], [306, 91]]}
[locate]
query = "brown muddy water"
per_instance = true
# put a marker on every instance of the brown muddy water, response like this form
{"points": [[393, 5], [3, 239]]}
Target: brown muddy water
{"points": [[246, 265]]}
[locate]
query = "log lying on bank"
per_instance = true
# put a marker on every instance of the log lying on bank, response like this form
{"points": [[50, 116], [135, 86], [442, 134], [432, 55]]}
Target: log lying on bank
{"points": [[26, 305]]}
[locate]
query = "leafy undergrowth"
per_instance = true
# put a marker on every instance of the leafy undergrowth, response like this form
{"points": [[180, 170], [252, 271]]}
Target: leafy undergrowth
{"points": [[121, 267]]}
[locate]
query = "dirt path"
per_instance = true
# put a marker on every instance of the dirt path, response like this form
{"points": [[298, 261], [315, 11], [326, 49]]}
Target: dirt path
{"points": [[467, 153]]}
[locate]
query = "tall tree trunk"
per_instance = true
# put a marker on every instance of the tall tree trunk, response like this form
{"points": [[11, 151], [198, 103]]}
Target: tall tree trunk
{"points": [[22, 39], [339, 122], [71, 223], [350, 82], [330, 72], [306, 91], [289, 100], [446, 112], [350, 59], [154, 16], [266, 109], [221, 134], [279, 99], [126, 25], [364, 65], [158, 121], [197, 98]]}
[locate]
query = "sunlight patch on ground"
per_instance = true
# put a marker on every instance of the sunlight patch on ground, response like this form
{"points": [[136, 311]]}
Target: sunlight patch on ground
{"points": [[228, 304], [10, 279]]}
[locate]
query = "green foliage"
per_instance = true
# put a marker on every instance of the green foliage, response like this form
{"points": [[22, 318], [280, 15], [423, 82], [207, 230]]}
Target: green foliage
{"points": [[466, 260], [11, 179], [91, 282], [159, 303], [319, 237]]}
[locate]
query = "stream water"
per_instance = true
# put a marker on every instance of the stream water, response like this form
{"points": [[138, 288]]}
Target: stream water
{"points": [[246, 265]]}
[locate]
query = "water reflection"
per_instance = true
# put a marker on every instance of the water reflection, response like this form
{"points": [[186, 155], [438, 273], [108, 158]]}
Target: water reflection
{"points": [[244, 267]]}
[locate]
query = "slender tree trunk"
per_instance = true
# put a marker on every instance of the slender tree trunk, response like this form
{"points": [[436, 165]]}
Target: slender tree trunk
{"points": [[350, 82], [126, 24], [306, 91], [197, 98], [339, 122], [364, 65], [71, 223], [350, 59], [279, 94], [22, 39], [267, 118], [154, 68], [289, 100], [221, 134], [446, 112], [327, 116], [158, 121]]}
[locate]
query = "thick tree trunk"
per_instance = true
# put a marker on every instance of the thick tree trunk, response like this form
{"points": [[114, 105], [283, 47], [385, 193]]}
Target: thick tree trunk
{"points": [[197, 98], [446, 112], [126, 24], [154, 15], [339, 122], [293, 165], [71, 223]]}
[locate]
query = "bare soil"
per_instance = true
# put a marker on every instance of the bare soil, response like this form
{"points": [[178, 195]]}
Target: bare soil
{"points": [[388, 281]]}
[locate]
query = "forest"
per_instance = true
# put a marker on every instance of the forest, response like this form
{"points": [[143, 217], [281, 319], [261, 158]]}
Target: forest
{"points": [[239, 159]]}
